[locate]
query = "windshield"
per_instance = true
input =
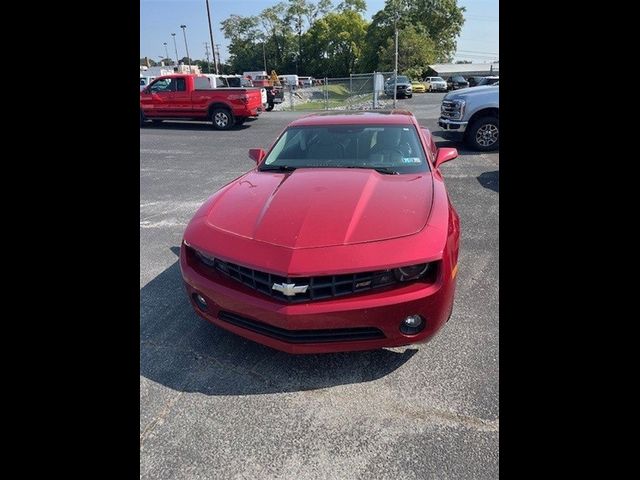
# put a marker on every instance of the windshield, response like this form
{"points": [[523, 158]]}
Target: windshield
{"points": [[437, 79], [386, 148]]}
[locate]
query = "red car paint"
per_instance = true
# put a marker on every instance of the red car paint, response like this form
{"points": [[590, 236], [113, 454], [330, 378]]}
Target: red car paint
{"points": [[328, 221], [194, 104]]}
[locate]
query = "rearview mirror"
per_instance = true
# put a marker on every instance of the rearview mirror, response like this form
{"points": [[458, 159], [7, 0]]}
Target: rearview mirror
{"points": [[257, 154], [444, 155]]}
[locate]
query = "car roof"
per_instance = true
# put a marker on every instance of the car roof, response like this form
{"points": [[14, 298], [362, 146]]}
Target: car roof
{"points": [[382, 117]]}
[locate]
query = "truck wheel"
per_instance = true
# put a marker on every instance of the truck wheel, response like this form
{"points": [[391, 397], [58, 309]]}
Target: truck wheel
{"points": [[222, 119], [141, 119], [269, 107], [484, 134]]}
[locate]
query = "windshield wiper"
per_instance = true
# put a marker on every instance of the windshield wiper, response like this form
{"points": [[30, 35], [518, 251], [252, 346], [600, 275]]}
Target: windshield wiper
{"points": [[383, 170], [277, 168]]}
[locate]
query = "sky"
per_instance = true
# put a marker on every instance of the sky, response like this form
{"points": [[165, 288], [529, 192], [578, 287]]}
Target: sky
{"points": [[478, 40]]}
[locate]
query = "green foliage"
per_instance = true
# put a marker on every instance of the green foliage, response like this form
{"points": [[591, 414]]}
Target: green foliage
{"points": [[333, 42], [415, 52], [441, 20]]}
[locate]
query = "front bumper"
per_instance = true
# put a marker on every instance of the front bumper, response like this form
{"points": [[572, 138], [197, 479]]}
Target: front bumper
{"points": [[452, 124], [305, 327]]}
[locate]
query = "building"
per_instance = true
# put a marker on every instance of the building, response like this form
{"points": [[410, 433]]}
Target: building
{"points": [[445, 70]]}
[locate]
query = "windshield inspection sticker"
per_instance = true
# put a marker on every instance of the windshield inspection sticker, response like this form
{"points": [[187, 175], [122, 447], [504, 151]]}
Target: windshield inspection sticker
{"points": [[410, 160]]}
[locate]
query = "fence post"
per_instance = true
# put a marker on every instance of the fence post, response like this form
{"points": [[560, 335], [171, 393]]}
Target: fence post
{"points": [[326, 94], [291, 98], [375, 92]]}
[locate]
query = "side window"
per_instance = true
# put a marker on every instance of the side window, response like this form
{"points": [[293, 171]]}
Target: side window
{"points": [[163, 85], [220, 83], [181, 85]]}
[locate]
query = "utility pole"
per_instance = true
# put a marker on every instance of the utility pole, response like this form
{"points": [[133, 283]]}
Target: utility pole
{"points": [[206, 52], [218, 55], [212, 40], [264, 57]]}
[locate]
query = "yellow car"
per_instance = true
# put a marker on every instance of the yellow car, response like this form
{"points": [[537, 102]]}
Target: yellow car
{"points": [[418, 87]]}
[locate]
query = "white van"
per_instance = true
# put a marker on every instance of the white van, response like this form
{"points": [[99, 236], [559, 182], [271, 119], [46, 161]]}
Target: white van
{"points": [[289, 80]]}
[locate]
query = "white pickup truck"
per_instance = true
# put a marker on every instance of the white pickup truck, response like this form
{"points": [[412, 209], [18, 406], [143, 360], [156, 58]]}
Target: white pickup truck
{"points": [[473, 113]]}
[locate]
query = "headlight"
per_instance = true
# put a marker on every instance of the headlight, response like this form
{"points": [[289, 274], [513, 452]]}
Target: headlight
{"points": [[205, 258], [412, 272]]}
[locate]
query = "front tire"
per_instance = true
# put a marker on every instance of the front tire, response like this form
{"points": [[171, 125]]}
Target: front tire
{"points": [[484, 134], [222, 119], [269, 107]]}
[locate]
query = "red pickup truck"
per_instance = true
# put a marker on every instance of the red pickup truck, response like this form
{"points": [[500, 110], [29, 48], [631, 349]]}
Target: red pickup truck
{"points": [[189, 97]]}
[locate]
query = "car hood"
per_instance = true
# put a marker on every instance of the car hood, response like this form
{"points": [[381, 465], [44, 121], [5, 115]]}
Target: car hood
{"points": [[310, 208], [471, 91]]}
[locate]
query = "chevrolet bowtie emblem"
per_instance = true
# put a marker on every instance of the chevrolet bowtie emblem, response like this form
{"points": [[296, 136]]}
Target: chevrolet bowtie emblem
{"points": [[289, 289]]}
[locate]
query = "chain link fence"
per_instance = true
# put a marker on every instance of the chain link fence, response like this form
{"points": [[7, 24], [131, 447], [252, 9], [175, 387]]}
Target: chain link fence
{"points": [[363, 91]]}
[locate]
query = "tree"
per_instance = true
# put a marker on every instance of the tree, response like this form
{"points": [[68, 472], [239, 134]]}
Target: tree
{"points": [[441, 20], [335, 44], [415, 52], [167, 61], [147, 62], [359, 6], [296, 13]]}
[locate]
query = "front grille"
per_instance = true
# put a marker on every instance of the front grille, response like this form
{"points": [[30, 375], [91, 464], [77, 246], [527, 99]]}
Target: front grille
{"points": [[450, 109], [318, 288], [302, 336]]}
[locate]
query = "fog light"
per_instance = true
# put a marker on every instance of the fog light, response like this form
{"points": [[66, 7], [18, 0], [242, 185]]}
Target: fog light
{"points": [[412, 324], [200, 301]]}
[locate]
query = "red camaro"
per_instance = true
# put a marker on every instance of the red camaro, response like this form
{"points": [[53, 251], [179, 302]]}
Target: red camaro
{"points": [[342, 238]]}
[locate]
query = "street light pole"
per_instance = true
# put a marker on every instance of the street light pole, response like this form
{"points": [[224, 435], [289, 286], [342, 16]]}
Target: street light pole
{"points": [[212, 41], [166, 52], [186, 47], [176, 47]]}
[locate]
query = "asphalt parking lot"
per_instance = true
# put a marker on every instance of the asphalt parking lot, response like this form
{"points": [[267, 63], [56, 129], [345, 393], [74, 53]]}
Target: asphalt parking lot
{"points": [[213, 405]]}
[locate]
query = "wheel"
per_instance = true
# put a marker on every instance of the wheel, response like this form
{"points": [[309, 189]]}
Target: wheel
{"points": [[269, 107], [430, 88], [222, 119], [410, 96], [141, 119], [156, 122], [484, 134]]}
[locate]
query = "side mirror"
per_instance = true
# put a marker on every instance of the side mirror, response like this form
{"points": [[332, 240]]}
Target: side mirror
{"points": [[257, 154], [444, 155]]}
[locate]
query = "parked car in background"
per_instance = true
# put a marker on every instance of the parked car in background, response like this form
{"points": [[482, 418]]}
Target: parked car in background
{"points": [[341, 238], [190, 97], [456, 82], [404, 88], [418, 87], [474, 81], [435, 84], [474, 115], [275, 94], [489, 81]]}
